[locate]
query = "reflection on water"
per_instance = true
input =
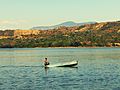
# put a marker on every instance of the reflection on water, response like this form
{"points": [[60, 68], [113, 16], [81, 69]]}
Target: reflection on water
{"points": [[46, 70], [22, 69]]}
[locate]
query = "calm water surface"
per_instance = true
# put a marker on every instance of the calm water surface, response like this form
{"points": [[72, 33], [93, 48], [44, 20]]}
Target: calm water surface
{"points": [[22, 69]]}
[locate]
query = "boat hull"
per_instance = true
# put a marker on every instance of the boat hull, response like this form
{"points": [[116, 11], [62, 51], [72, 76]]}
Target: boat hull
{"points": [[68, 64]]}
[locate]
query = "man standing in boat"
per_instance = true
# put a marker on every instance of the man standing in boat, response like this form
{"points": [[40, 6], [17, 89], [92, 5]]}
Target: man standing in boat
{"points": [[46, 62]]}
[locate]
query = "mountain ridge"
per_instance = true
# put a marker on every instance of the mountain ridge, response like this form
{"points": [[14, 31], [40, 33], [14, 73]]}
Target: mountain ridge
{"points": [[67, 24]]}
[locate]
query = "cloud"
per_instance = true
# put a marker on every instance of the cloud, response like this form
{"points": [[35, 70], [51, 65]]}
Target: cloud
{"points": [[12, 22]]}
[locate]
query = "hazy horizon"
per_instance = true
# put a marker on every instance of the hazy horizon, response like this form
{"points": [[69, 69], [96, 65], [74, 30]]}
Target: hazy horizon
{"points": [[25, 14]]}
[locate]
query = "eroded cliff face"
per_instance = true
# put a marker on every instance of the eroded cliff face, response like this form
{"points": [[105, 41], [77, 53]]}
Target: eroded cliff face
{"points": [[17, 33], [96, 26], [26, 32]]}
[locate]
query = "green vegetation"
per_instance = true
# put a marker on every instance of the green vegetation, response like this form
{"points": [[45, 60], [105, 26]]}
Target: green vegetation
{"points": [[88, 38], [94, 35]]}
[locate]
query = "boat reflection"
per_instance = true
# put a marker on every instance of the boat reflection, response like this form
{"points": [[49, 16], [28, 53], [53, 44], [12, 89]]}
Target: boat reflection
{"points": [[47, 68]]}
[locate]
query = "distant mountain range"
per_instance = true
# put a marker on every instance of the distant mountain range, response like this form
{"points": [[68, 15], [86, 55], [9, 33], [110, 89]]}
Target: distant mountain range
{"points": [[67, 24]]}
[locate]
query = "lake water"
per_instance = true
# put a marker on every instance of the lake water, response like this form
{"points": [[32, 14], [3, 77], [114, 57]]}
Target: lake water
{"points": [[22, 69]]}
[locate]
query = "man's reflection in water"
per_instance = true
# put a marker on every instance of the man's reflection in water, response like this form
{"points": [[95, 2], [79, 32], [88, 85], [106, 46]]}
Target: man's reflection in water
{"points": [[46, 70], [46, 79]]}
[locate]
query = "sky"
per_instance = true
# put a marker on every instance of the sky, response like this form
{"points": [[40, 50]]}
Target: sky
{"points": [[25, 14]]}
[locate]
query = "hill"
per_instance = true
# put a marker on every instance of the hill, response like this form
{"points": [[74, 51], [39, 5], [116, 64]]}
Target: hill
{"points": [[104, 34], [67, 24]]}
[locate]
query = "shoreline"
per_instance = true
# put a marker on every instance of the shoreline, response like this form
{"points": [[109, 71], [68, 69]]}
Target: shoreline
{"points": [[76, 47], [61, 47]]}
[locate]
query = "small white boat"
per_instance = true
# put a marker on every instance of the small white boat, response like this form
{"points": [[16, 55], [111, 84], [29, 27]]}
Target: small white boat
{"points": [[67, 64]]}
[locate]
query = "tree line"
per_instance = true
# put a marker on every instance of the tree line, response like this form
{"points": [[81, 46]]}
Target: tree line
{"points": [[88, 38]]}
